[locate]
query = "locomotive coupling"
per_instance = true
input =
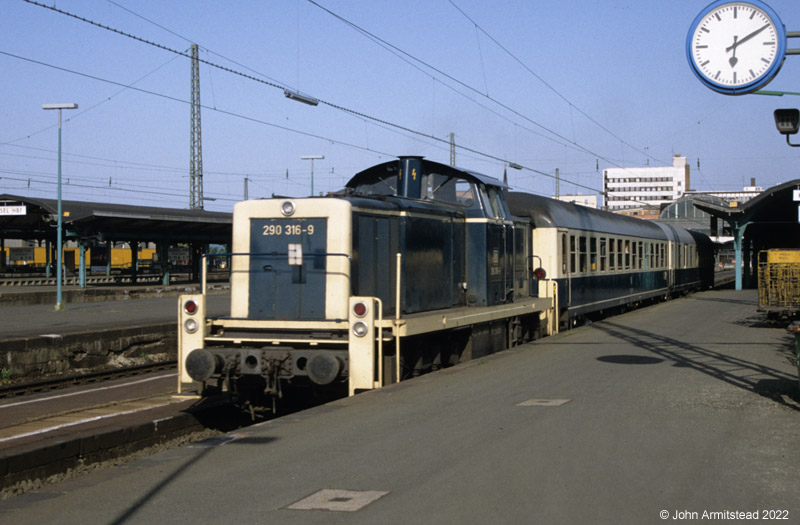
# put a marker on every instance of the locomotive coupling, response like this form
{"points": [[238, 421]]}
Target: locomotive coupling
{"points": [[202, 364]]}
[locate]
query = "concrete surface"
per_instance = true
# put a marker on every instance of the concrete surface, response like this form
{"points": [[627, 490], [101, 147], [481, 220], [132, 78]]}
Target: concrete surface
{"points": [[683, 408]]}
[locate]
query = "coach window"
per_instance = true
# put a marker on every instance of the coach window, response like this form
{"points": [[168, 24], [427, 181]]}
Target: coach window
{"points": [[634, 256], [663, 255], [582, 241], [593, 254], [572, 255], [627, 254], [620, 255], [611, 254], [564, 253], [602, 254], [641, 254]]}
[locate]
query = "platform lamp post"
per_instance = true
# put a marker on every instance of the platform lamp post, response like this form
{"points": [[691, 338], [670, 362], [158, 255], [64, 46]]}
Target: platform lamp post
{"points": [[59, 107], [312, 158]]}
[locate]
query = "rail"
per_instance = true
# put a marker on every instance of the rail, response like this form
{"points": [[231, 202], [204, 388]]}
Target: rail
{"points": [[54, 383]]}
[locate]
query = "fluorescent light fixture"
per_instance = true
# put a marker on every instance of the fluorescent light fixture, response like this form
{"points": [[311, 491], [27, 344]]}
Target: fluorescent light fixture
{"points": [[71, 105], [305, 99]]}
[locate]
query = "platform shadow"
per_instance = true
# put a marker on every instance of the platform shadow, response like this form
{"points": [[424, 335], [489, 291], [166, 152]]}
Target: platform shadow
{"points": [[770, 383], [205, 448], [629, 359]]}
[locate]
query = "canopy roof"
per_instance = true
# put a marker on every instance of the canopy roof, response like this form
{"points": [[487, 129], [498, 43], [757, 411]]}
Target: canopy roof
{"points": [[114, 222]]}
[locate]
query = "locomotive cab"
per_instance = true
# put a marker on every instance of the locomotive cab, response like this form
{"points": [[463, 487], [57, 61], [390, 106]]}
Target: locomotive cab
{"points": [[486, 248]]}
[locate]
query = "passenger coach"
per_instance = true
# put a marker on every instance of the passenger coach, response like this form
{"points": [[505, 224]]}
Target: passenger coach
{"points": [[600, 260]]}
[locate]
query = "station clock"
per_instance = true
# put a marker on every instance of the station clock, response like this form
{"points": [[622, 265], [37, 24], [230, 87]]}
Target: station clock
{"points": [[736, 47]]}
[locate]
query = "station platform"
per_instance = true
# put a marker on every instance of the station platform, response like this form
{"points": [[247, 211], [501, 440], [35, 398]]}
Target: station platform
{"points": [[94, 331], [685, 408], [24, 293], [29, 316]]}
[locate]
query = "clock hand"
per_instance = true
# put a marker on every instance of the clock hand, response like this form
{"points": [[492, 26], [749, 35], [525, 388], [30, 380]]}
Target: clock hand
{"points": [[745, 39], [733, 60]]}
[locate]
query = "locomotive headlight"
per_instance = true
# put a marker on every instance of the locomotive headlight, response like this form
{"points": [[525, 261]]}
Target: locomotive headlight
{"points": [[360, 329], [190, 325], [360, 309], [287, 208], [190, 307]]}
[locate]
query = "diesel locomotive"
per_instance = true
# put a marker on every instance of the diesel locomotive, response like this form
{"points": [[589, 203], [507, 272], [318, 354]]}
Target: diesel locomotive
{"points": [[414, 266]]}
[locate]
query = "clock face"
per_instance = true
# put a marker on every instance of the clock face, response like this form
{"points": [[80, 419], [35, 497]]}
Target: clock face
{"points": [[736, 47]]}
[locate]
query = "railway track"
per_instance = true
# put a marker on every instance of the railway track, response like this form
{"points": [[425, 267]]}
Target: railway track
{"points": [[55, 383]]}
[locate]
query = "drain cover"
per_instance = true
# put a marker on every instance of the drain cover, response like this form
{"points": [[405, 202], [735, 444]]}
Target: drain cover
{"points": [[338, 500]]}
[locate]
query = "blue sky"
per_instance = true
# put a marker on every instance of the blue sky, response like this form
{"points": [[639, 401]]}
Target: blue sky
{"points": [[577, 86]]}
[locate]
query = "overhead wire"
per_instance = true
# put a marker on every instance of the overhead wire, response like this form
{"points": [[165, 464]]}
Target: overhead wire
{"points": [[321, 101], [176, 99], [544, 82], [563, 140], [279, 85], [93, 106]]}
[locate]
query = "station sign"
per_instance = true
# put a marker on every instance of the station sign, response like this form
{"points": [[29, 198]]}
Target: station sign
{"points": [[179, 253], [13, 210]]}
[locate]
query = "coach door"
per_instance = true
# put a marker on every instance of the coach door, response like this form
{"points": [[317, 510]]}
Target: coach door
{"points": [[671, 254], [567, 261]]}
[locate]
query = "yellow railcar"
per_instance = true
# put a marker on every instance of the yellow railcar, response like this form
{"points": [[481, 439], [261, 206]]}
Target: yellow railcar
{"points": [[779, 280]]}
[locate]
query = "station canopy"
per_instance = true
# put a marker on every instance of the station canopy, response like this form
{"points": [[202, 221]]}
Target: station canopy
{"points": [[770, 220], [35, 219]]}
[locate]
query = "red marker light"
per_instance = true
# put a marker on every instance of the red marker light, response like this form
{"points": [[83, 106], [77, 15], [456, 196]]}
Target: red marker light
{"points": [[360, 309], [190, 307]]}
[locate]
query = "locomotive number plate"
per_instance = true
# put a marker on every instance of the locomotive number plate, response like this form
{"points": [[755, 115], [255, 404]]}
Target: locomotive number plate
{"points": [[269, 230]]}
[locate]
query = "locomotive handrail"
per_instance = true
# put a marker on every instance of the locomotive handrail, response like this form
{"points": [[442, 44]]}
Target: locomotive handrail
{"points": [[205, 256], [379, 325], [398, 291]]}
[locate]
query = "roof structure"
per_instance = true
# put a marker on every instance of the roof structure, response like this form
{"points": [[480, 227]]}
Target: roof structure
{"points": [[35, 219], [771, 220]]}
